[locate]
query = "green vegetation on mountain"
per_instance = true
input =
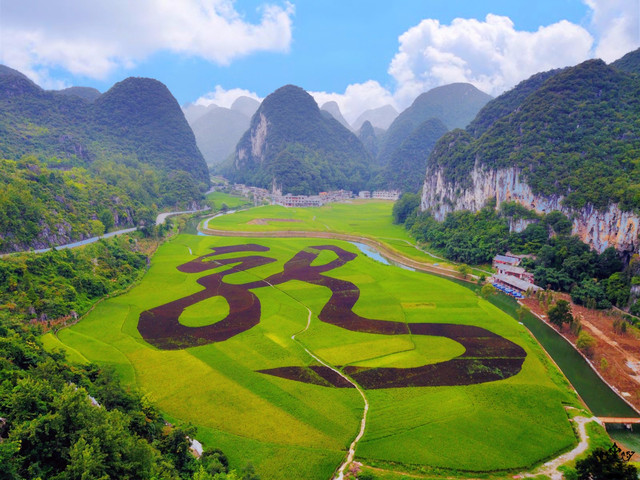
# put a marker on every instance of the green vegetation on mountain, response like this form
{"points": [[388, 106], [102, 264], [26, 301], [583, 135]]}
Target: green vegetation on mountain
{"points": [[292, 142], [64, 283], [369, 139], [629, 63], [576, 135], [42, 205], [86, 93], [408, 163], [141, 115], [454, 105], [137, 117], [560, 261], [507, 103], [129, 152]]}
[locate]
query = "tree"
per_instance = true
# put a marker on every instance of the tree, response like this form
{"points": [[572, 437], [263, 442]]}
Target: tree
{"points": [[464, 270], [586, 343], [560, 313], [106, 217], [605, 464], [487, 290], [522, 311], [405, 205], [249, 473]]}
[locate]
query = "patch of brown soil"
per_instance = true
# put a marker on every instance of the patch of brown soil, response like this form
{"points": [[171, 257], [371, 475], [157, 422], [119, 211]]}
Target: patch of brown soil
{"points": [[621, 352], [487, 357]]}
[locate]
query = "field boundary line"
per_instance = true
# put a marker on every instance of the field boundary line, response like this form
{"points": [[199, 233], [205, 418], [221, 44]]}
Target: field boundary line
{"points": [[339, 473]]}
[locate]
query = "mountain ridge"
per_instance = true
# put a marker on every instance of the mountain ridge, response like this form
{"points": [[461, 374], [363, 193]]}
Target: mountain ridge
{"points": [[292, 143]]}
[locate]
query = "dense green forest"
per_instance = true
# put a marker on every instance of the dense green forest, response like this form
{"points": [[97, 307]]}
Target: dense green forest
{"points": [[62, 421], [79, 163], [407, 164], [62, 283], [79, 168], [574, 132], [52, 202], [559, 261], [291, 141]]}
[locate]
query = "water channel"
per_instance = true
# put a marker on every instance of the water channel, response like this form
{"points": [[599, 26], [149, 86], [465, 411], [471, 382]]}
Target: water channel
{"points": [[598, 396]]}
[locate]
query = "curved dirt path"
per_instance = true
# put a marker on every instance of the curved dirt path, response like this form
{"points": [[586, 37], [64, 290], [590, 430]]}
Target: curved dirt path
{"points": [[550, 468], [339, 475]]}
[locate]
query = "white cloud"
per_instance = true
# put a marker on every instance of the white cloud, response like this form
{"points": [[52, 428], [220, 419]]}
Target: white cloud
{"points": [[617, 25], [102, 35], [490, 54], [225, 98], [357, 98]]}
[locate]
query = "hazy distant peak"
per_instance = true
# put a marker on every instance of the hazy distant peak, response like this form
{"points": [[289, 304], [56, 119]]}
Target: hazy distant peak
{"points": [[380, 117], [334, 110], [192, 112], [245, 105]]}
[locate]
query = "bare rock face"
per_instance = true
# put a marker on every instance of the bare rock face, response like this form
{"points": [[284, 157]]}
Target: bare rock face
{"points": [[259, 137], [599, 229]]}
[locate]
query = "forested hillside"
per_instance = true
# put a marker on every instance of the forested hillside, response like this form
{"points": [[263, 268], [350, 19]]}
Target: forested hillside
{"points": [[79, 163], [454, 105], [573, 133], [63, 421], [292, 143], [407, 164], [137, 117]]}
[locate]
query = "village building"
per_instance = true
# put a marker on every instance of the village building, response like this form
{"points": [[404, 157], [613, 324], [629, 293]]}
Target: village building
{"points": [[511, 278], [505, 260], [386, 194]]}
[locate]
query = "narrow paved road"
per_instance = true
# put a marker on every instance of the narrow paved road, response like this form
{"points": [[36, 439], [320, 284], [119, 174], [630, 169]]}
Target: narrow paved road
{"points": [[160, 219]]}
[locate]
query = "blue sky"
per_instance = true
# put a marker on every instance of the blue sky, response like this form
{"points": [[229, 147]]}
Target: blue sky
{"points": [[359, 53]]}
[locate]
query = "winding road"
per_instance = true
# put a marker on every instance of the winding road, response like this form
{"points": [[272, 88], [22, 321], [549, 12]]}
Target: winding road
{"points": [[160, 219]]}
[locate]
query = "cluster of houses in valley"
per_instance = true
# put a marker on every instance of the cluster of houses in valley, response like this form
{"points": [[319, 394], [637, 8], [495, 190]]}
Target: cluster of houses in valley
{"points": [[511, 277], [275, 196]]}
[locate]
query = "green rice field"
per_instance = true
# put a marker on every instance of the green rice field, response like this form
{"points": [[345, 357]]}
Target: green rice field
{"points": [[231, 201], [366, 218], [290, 428]]}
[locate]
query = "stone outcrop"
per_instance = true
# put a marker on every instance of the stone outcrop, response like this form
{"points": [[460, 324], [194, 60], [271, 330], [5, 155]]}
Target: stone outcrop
{"points": [[598, 228]]}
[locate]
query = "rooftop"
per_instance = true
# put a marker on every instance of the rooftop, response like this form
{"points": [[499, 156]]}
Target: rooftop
{"points": [[516, 282]]}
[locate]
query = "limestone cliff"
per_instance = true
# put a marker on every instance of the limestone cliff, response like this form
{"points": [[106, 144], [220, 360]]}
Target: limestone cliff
{"points": [[598, 228]]}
